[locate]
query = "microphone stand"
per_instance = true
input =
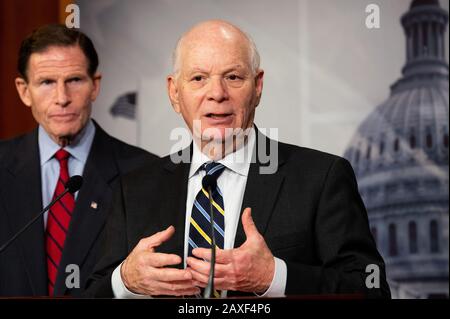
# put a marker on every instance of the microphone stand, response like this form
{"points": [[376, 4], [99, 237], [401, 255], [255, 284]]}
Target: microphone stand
{"points": [[73, 185], [210, 287]]}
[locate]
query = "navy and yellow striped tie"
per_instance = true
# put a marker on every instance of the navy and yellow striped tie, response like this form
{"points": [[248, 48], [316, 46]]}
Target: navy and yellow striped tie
{"points": [[200, 225]]}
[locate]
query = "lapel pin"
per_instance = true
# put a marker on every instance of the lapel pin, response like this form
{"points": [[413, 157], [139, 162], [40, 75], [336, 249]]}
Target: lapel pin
{"points": [[94, 205]]}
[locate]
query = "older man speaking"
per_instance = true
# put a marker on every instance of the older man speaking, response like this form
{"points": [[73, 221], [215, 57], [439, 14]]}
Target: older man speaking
{"points": [[301, 230]]}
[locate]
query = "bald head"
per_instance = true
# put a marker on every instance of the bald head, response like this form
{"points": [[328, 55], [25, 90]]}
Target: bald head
{"points": [[216, 84], [215, 31]]}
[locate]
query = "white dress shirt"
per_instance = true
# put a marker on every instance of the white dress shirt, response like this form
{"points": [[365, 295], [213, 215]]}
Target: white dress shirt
{"points": [[232, 184]]}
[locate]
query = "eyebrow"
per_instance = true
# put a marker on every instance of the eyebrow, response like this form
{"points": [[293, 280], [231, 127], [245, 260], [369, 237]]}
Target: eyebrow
{"points": [[41, 78], [226, 70], [197, 69], [52, 76]]}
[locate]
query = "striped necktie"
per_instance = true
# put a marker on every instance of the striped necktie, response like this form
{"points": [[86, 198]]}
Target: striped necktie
{"points": [[200, 225], [58, 221]]}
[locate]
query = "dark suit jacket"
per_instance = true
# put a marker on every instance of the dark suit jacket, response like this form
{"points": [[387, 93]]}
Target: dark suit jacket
{"points": [[309, 212], [23, 270]]}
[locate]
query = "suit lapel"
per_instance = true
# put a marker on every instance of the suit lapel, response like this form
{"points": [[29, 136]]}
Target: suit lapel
{"points": [[177, 184], [24, 201], [91, 205], [261, 190]]}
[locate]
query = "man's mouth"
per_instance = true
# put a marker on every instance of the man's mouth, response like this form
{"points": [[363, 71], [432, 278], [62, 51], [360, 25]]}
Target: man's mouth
{"points": [[218, 116], [63, 116]]}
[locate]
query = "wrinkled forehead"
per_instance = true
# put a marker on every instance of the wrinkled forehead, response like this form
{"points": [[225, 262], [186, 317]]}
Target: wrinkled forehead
{"points": [[214, 50], [58, 58]]}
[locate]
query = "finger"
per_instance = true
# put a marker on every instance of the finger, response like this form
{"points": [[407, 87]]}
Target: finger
{"points": [[176, 285], [171, 275], [199, 284], [159, 260], [201, 280], [202, 253], [248, 223], [222, 256], [160, 237], [219, 283], [198, 265], [199, 277], [190, 291], [156, 239], [203, 267]]}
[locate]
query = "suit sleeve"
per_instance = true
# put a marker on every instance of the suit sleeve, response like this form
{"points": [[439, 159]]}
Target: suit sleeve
{"points": [[114, 249], [343, 242]]}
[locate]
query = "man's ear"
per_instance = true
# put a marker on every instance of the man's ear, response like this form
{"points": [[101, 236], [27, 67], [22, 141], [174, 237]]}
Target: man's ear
{"points": [[259, 80], [23, 90], [96, 79], [172, 90]]}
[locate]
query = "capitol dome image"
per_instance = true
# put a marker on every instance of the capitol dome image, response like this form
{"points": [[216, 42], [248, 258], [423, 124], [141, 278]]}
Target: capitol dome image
{"points": [[400, 157]]}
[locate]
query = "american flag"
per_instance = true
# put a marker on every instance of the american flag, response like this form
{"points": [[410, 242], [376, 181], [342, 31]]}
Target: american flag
{"points": [[125, 106]]}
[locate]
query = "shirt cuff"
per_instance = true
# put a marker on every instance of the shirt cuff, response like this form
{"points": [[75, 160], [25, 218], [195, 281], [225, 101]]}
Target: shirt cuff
{"points": [[278, 285], [119, 289]]}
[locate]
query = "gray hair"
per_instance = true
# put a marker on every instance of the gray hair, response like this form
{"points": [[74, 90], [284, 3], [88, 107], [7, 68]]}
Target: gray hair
{"points": [[254, 55]]}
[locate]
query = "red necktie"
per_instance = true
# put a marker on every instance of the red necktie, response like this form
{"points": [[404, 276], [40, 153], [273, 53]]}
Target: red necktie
{"points": [[58, 221]]}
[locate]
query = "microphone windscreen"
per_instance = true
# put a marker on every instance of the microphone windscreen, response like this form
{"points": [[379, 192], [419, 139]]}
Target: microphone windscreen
{"points": [[74, 183], [209, 181]]}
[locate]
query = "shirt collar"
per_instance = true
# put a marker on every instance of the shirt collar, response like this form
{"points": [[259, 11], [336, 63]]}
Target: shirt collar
{"points": [[79, 148], [238, 161]]}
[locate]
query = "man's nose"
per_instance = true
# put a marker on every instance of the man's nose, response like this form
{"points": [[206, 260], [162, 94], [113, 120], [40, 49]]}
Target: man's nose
{"points": [[62, 96], [217, 90]]}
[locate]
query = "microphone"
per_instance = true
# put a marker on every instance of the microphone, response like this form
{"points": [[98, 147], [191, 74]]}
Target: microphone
{"points": [[209, 183], [72, 186]]}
